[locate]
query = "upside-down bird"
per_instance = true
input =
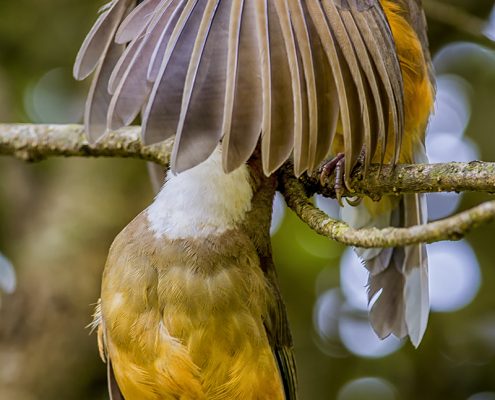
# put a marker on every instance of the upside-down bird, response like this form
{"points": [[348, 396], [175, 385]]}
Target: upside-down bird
{"points": [[190, 306]]}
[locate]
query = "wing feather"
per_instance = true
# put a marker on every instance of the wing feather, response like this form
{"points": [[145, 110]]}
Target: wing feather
{"points": [[348, 58], [243, 114], [200, 128], [343, 88], [98, 100], [124, 62], [306, 142], [172, 11], [286, 113], [376, 128], [161, 115], [232, 71], [389, 100], [133, 88], [378, 25], [264, 36], [278, 332], [302, 137], [97, 42], [139, 17], [287, 365], [327, 96]]}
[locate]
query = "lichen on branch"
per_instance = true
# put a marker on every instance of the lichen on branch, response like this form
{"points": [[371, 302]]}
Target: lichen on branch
{"points": [[452, 228], [35, 142]]}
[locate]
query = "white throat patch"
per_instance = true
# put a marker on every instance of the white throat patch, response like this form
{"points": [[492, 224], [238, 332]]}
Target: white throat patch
{"points": [[201, 201]]}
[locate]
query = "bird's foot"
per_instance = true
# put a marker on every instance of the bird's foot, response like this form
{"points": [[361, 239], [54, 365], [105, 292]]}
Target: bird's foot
{"points": [[337, 165]]}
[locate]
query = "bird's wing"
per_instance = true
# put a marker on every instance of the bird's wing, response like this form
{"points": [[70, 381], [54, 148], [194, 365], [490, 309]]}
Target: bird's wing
{"points": [[99, 54], [113, 387], [278, 332], [285, 71]]}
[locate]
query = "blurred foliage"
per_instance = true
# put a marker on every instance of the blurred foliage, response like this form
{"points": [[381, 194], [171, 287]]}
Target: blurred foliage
{"points": [[58, 218]]}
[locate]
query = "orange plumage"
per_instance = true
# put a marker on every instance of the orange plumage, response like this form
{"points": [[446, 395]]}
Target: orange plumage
{"points": [[418, 87]]}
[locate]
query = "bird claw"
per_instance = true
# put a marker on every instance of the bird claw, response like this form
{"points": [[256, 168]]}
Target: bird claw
{"points": [[354, 201], [329, 167], [337, 165]]}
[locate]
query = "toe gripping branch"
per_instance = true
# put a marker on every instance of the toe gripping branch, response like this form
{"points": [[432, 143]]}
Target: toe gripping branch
{"points": [[337, 165]]}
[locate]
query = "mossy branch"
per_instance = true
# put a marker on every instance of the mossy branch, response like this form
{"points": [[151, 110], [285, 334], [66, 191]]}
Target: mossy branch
{"points": [[474, 176], [36, 142], [453, 228]]}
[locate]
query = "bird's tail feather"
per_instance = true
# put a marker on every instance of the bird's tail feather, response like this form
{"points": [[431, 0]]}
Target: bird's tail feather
{"points": [[398, 277]]}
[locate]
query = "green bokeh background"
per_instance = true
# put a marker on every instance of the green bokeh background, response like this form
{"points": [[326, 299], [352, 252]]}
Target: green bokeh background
{"points": [[58, 218]]}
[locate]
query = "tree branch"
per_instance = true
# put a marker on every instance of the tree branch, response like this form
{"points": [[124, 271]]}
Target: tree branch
{"points": [[452, 228], [31, 142], [37, 142], [475, 176]]}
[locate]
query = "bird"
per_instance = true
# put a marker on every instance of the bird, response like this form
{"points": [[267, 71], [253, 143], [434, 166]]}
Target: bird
{"points": [[190, 306]]}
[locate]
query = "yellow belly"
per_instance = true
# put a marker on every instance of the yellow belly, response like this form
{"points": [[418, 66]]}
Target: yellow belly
{"points": [[228, 357]]}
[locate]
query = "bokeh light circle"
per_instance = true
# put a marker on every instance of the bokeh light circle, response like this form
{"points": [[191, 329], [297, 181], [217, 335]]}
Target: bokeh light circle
{"points": [[483, 396], [359, 338], [326, 314], [52, 99], [367, 389], [444, 147], [452, 106], [455, 275]]}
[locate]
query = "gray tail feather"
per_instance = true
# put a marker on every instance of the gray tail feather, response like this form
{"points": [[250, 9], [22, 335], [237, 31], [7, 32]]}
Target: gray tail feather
{"points": [[398, 277]]}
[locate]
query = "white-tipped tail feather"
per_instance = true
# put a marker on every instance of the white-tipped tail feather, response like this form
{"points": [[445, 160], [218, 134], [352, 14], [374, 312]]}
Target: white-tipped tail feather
{"points": [[398, 277]]}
